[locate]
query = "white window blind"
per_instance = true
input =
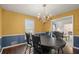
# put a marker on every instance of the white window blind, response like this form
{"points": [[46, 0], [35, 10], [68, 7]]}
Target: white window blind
{"points": [[29, 26]]}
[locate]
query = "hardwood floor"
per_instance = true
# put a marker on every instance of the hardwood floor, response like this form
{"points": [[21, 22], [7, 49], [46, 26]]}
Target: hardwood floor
{"points": [[67, 49], [15, 50], [21, 50]]}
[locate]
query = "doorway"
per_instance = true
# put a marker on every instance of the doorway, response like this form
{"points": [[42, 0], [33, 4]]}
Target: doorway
{"points": [[64, 25]]}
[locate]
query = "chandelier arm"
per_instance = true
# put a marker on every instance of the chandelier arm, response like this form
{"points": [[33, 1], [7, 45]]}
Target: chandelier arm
{"points": [[44, 17]]}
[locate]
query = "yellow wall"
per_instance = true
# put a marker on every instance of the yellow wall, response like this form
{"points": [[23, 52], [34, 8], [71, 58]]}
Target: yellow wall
{"points": [[47, 26], [0, 20], [38, 26], [13, 23], [75, 13]]}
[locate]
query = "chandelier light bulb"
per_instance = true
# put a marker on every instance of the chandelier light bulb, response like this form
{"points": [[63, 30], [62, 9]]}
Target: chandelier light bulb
{"points": [[44, 17]]}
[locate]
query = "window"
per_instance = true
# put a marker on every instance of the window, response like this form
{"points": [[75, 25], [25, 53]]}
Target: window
{"points": [[29, 26]]}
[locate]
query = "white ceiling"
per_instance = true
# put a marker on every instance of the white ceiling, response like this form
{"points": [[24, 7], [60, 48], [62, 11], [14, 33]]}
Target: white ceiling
{"points": [[35, 9]]}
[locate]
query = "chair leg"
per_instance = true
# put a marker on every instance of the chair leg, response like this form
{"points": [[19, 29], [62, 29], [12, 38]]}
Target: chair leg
{"points": [[62, 50], [26, 49], [30, 50], [55, 51], [58, 51]]}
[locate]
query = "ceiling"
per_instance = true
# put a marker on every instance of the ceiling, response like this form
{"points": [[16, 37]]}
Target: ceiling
{"points": [[35, 9]]}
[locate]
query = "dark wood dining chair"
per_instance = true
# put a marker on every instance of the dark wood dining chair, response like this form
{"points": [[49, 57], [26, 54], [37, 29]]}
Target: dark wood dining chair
{"points": [[59, 43]]}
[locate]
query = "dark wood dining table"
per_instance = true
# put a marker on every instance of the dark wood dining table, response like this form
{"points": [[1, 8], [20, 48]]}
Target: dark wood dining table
{"points": [[51, 43]]}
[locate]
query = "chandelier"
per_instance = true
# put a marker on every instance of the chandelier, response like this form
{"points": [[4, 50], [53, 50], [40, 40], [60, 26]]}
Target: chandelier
{"points": [[45, 17]]}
